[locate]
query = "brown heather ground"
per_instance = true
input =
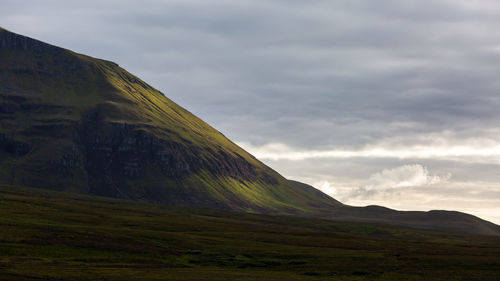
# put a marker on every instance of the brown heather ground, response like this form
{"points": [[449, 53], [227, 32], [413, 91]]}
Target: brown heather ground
{"points": [[47, 235]]}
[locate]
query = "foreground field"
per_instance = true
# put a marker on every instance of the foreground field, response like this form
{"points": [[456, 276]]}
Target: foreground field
{"points": [[60, 236]]}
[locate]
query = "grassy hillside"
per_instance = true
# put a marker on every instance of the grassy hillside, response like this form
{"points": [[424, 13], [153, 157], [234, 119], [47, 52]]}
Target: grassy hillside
{"points": [[75, 123], [47, 235]]}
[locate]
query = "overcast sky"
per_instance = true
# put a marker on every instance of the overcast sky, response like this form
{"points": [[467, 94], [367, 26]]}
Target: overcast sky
{"points": [[388, 102]]}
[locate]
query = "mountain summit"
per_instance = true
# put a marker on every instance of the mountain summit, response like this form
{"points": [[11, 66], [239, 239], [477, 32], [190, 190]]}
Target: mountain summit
{"points": [[71, 122]]}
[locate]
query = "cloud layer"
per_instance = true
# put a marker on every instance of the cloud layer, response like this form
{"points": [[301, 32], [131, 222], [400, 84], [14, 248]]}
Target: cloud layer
{"points": [[489, 152], [330, 92], [404, 176]]}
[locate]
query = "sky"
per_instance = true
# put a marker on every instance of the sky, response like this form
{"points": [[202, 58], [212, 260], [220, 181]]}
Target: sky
{"points": [[387, 102]]}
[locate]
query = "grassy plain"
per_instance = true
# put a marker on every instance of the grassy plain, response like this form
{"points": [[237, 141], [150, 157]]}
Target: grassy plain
{"points": [[46, 235]]}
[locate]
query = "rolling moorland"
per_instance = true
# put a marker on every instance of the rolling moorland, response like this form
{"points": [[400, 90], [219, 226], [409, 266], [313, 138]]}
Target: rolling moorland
{"points": [[47, 235], [102, 177]]}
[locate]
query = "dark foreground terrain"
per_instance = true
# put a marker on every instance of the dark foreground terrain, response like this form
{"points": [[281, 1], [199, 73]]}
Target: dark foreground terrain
{"points": [[46, 235]]}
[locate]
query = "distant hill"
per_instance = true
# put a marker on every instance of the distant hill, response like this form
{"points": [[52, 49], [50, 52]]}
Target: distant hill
{"points": [[70, 122], [436, 219]]}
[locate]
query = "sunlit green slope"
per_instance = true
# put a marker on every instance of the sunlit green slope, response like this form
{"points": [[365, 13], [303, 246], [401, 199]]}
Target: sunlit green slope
{"points": [[76, 123]]}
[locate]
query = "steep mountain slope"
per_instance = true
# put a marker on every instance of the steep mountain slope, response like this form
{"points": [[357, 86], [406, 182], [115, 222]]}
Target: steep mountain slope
{"points": [[69, 122], [72, 122]]}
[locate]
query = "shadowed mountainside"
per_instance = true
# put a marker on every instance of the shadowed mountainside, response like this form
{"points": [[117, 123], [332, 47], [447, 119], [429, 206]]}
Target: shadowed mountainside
{"points": [[70, 122]]}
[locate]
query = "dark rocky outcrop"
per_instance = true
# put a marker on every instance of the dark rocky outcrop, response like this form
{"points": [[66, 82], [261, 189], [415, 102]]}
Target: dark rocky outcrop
{"points": [[13, 41]]}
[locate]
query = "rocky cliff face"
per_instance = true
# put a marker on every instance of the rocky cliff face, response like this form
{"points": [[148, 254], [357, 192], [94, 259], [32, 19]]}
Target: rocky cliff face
{"points": [[116, 152], [108, 156], [13, 41]]}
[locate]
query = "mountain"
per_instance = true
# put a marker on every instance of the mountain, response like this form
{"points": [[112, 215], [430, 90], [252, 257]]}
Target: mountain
{"points": [[70, 122], [75, 123]]}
